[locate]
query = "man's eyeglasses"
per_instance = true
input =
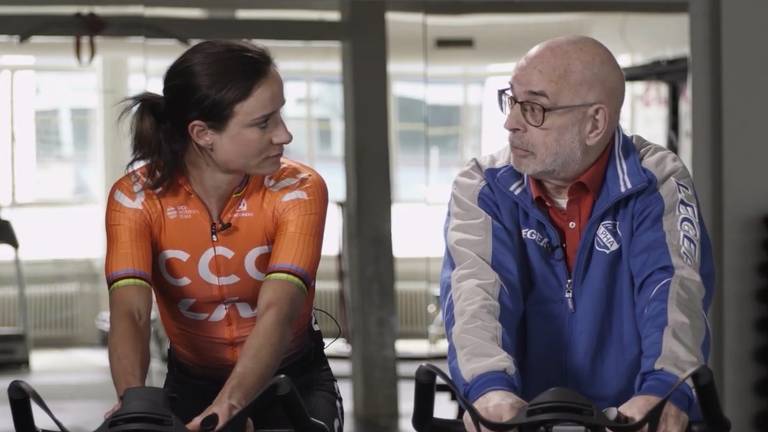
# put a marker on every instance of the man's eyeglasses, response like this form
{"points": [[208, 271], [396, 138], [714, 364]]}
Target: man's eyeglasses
{"points": [[533, 113]]}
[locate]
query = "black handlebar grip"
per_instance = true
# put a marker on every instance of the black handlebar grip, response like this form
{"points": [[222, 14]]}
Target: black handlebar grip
{"points": [[423, 399], [704, 383], [209, 423], [21, 408], [103, 427], [294, 406], [447, 425]]}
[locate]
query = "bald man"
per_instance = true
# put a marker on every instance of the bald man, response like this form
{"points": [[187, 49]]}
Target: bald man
{"points": [[576, 256]]}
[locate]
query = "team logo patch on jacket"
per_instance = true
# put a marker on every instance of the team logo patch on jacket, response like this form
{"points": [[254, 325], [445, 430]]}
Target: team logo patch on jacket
{"points": [[608, 237]]}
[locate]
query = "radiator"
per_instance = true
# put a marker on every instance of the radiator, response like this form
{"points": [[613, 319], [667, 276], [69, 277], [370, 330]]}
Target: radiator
{"points": [[64, 313], [59, 313], [412, 305]]}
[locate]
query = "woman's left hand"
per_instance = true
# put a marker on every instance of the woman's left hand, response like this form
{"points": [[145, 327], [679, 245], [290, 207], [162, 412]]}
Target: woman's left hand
{"points": [[224, 411]]}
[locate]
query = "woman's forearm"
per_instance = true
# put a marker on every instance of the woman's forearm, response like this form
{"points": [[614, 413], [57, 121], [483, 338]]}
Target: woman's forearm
{"points": [[129, 331], [261, 356], [280, 302]]}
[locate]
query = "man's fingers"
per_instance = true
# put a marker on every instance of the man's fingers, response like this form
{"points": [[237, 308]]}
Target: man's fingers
{"points": [[468, 423], [672, 419]]}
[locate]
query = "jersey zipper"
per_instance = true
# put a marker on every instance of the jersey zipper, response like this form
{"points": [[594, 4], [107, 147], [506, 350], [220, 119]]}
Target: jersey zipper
{"points": [[229, 320], [214, 240], [214, 237]]}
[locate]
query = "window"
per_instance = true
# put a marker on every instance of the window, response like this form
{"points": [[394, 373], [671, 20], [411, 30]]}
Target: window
{"points": [[50, 141], [327, 131], [436, 129], [314, 113], [646, 110], [6, 167], [295, 114]]}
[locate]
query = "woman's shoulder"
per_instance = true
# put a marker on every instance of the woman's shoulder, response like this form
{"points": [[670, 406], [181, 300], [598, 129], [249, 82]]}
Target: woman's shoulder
{"points": [[293, 168], [133, 189], [294, 176], [133, 179], [293, 172], [132, 182], [138, 180]]}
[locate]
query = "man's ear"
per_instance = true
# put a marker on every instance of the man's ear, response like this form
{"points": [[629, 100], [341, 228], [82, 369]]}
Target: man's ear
{"points": [[597, 123], [201, 134]]}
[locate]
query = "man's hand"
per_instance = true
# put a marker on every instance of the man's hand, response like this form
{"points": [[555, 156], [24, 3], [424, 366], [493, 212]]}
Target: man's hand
{"points": [[672, 418], [497, 405]]}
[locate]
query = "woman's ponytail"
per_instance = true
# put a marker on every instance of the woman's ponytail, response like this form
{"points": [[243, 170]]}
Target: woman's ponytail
{"points": [[151, 141]]}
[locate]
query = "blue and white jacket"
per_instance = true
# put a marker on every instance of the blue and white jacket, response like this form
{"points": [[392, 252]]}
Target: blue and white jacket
{"points": [[641, 285]]}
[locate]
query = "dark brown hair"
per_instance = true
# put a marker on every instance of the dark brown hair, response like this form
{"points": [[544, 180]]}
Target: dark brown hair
{"points": [[205, 83]]}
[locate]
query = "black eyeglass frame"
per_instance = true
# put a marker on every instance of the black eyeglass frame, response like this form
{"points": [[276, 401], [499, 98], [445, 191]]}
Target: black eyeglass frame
{"points": [[505, 98]]}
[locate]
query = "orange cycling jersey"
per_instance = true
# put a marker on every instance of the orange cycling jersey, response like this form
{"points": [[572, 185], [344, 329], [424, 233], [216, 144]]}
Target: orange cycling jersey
{"points": [[206, 279]]}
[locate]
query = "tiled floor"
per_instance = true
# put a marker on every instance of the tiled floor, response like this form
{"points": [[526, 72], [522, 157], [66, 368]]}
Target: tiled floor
{"points": [[76, 384]]}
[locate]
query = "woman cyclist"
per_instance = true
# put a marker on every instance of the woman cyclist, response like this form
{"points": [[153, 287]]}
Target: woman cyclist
{"points": [[227, 234]]}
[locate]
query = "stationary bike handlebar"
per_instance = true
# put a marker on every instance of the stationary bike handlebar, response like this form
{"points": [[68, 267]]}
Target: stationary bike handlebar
{"points": [[147, 409], [562, 409]]}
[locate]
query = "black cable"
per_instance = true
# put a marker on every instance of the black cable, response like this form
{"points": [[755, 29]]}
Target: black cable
{"points": [[338, 326]]}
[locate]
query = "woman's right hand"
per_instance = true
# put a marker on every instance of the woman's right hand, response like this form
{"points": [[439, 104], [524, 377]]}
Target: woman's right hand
{"points": [[112, 410]]}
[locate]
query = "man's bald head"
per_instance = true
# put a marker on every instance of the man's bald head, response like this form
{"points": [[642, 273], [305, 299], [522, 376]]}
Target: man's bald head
{"points": [[580, 87], [583, 68]]}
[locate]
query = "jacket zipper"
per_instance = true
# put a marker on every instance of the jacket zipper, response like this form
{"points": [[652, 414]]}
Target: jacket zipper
{"points": [[569, 295]]}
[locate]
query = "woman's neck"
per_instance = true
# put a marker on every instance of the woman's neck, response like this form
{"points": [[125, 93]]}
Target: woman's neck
{"points": [[211, 185]]}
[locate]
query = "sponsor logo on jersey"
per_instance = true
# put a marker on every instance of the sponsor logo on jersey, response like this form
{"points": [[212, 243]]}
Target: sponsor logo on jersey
{"points": [[181, 212], [185, 305], [219, 313], [608, 237], [131, 203], [294, 195], [204, 265], [276, 186], [242, 210]]}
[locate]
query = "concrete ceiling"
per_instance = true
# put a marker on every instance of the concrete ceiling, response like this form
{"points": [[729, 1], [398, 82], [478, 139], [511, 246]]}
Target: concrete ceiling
{"points": [[498, 38]]}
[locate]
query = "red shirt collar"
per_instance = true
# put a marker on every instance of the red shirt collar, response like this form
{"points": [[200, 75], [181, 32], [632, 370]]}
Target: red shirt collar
{"points": [[590, 180]]}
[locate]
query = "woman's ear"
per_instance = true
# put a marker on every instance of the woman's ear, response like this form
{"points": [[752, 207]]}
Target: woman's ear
{"points": [[597, 123], [201, 134]]}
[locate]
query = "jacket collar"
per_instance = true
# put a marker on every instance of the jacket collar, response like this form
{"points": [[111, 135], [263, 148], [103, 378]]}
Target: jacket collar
{"points": [[623, 175]]}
